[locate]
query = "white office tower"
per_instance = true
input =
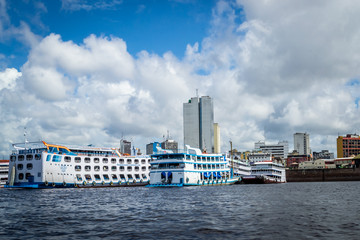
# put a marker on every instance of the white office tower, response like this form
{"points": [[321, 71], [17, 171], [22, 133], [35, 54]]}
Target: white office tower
{"points": [[198, 116], [302, 143], [280, 149]]}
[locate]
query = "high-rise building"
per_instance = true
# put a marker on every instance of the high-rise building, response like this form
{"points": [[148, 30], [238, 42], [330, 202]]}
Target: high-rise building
{"points": [[169, 144], [198, 115], [302, 143], [216, 138], [348, 146], [125, 146], [280, 150]]}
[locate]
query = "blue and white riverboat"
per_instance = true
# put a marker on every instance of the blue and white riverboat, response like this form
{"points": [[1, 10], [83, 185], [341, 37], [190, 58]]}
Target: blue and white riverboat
{"points": [[190, 168], [44, 165]]}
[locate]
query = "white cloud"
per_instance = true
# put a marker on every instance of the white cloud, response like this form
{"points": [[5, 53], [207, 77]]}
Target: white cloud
{"points": [[8, 78]]}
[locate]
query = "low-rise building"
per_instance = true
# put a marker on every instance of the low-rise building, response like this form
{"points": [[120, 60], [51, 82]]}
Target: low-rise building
{"points": [[318, 164]]}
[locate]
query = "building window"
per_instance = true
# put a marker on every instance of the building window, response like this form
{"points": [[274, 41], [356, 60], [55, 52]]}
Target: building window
{"points": [[29, 157], [21, 158], [20, 166], [29, 166], [21, 176]]}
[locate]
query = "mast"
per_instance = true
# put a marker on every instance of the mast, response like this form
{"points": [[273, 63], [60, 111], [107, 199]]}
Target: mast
{"points": [[231, 159]]}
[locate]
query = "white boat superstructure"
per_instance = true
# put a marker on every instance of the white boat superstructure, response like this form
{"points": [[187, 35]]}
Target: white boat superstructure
{"points": [[43, 165], [190, 168], [4, 171], [271, 171]]}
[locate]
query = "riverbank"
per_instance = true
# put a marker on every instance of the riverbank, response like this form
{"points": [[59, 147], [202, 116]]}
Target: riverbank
{"points": [[323, 175]]}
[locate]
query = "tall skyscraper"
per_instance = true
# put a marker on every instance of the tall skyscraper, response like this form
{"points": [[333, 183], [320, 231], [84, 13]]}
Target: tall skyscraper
{"points": [[216, 138], [302, 143], [198, 115]]}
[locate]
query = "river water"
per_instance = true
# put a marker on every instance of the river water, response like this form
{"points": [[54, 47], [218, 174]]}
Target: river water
{"points": [[325, 210]]}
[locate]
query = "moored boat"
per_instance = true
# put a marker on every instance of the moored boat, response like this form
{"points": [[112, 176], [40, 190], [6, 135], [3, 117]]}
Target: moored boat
{"points": [[44, 165], [190, 168]]}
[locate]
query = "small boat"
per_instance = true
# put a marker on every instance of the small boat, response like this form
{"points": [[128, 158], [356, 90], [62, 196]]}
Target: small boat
{"points": [[44, 165], [190, 168]]}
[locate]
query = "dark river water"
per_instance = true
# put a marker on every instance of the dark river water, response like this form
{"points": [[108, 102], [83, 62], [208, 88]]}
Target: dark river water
{"points": [[326, 210]]}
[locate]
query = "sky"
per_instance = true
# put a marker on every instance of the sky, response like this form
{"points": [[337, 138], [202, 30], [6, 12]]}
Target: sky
{"points": [[93, 72]]}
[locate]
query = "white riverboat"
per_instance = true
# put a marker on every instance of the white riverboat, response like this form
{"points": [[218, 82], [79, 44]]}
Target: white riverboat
{"points": [[191, 168], [266, 172], [43, 165]]}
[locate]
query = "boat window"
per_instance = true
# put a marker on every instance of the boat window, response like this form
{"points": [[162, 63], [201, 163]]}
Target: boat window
{"points": [[96, 160], [114, 177], [130, 176], [29, 166], [88, 177], [87, 168], [195, 166], [37, 156], [143, 161], [137, 168], [106, 177], [56, 158], [113, 168], [20, 166], [129, 169], [105, 168], [21, 176], [154, 166], [144, 176], [122, 168], [149, 168], [137, 176], [148, 160], [27, 175], [67, 159], [77, 168], [97, 168], [105, 160], [136, 161], [29, 157], [87, 160], [78, 177], [97, 177], [143, 168], [12, 158], [121, 161], [77, 159], [113, 160], [122, 176], [21, 158], [129, 161]]}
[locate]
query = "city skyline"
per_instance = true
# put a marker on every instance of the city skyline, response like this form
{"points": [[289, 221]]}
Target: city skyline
{"points": [[92, 72]]}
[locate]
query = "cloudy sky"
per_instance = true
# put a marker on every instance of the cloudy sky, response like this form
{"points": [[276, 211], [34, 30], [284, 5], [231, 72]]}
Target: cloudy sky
{"points": [[90, 72]]}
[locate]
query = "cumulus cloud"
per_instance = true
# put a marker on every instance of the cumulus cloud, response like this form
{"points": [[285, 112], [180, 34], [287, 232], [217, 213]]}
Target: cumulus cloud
{"points": [[273, 68]]}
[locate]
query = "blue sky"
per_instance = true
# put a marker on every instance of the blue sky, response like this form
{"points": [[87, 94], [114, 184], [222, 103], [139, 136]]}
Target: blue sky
{"points": [[154, 26], [90, 72]]}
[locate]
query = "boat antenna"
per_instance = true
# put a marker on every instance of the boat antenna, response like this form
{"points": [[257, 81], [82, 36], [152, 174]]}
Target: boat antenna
{"points": [[25, 140], [232, 160]]}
